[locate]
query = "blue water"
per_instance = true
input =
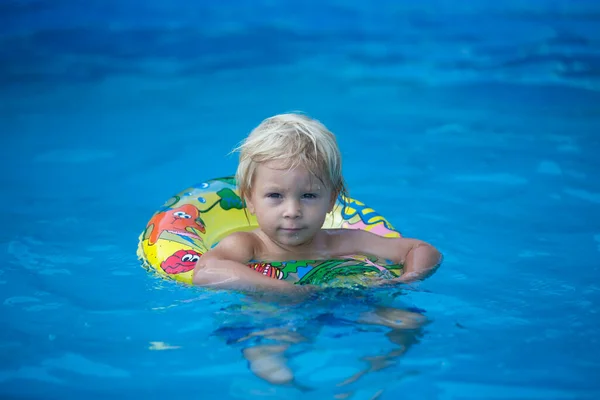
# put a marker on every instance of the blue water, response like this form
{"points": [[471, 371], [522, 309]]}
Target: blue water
{"points": [[472, 125]]}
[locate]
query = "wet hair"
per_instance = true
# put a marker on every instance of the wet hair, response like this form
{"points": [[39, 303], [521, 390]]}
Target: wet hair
{"points": [[296, 140]]}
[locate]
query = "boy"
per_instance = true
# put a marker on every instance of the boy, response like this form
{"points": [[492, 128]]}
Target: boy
{"points": [[289, 176]]}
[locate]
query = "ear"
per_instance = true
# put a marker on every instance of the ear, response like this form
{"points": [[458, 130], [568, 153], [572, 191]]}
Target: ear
{"points": [[249, 205], [332, 201]]}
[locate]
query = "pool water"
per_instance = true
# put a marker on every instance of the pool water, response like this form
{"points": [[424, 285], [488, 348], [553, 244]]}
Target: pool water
{"points": [[473, 126]]}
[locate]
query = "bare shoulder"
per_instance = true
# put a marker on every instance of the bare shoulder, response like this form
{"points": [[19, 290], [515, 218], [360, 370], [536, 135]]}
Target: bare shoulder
{"points": [[239, 246]]}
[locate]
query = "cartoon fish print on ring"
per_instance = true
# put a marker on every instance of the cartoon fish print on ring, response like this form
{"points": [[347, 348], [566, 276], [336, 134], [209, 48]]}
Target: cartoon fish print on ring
{"points": [[181, 261], [182, 220], [267, 270]]}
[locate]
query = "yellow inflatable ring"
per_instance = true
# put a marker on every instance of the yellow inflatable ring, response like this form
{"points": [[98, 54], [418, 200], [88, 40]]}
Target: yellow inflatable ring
{"points": [[194, 221]]}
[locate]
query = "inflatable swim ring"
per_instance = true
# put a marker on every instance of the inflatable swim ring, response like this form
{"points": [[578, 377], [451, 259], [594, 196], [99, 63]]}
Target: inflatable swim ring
{"points": [[194, 221]]}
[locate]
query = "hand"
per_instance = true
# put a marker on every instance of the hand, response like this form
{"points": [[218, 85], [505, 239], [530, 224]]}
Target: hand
{"points": [[408, 277]]}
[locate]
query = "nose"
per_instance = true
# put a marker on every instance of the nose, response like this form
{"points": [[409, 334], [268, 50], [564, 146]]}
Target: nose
{"points": [[292, 209]]}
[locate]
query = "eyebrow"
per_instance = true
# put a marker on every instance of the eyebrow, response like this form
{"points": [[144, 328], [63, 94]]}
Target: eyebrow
{"points": [[314, 188], [272, 189]]}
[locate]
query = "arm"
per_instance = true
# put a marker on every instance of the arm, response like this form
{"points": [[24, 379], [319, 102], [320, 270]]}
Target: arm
{"points": [[225, 267], [421, 261], [418, 258]]}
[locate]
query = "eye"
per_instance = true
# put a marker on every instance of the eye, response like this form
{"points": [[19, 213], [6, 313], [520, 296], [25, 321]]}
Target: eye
{"points": [[273, 195], [187, 257], [195, 258], [309, 196], [181, 214]]}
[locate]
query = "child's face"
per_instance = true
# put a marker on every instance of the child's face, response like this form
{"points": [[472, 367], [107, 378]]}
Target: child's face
{"points": [[290, 205]]}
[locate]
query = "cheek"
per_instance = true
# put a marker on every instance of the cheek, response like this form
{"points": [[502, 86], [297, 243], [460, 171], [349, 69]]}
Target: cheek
{"points": [[319, 212], [263, 214]]}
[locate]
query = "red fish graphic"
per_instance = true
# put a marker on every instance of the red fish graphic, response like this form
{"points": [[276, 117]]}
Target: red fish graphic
{"points": [[181, 261], [182, 220]]}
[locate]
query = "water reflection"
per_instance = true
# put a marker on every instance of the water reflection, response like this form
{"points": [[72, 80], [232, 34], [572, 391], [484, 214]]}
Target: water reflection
{"points": [[269, 334]]}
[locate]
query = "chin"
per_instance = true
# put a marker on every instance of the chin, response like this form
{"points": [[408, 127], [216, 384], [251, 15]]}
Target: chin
{"points": [[291, 241]]}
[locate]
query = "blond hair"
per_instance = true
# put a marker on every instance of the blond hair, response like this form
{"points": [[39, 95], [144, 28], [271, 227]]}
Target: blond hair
{"points": [[296, 139]]}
